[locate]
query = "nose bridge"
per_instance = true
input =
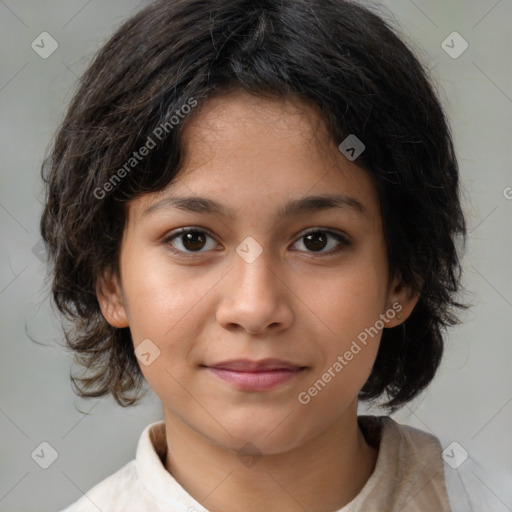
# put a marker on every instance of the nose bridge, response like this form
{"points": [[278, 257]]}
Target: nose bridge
{"points": [[255, 297], [255, 271]]}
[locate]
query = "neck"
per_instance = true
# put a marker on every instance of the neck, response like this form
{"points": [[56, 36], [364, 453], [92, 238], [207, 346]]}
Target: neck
{"points": [[322, 474]]}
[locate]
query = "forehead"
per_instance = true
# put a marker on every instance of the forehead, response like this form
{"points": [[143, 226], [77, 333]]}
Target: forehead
{"points": [[238, 147], [219, 115]]}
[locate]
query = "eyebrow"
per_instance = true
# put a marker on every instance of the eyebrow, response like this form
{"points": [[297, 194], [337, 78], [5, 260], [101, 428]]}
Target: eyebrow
{"points": [[309, 204]]}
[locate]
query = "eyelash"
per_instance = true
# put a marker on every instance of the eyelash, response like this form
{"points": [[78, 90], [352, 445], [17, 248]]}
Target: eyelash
{"points": [[343, 241]]}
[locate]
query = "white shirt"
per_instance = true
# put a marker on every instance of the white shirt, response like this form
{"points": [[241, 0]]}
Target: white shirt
{"points": [[409, 476]]}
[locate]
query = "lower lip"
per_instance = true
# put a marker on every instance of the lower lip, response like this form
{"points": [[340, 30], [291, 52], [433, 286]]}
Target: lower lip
{"points": [[256, 381]]}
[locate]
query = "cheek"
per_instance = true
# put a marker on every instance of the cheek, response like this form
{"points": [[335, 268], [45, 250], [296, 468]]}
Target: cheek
{"points": [[344, 369], [348, 304], [349, 301], [166, 306], [162, 296]]}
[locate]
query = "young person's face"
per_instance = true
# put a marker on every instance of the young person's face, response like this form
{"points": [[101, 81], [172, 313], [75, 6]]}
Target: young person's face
{"points": [[250, 284]]}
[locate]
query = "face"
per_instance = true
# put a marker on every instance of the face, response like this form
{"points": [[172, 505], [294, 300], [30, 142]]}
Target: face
{"points": [[242, 300]]}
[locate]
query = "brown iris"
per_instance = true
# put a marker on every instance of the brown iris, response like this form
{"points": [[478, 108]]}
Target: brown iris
{"points": [[194, 240], [315, 241]]}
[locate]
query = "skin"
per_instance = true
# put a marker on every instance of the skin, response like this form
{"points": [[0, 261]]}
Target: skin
{"points": [[294, 302]]}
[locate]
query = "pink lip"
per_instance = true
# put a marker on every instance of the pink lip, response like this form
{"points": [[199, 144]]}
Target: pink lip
{"points": [[255, 381], [255, 375]]}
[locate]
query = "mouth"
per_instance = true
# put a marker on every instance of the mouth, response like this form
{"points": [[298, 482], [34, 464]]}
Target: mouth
{"points": [[261, 375]]}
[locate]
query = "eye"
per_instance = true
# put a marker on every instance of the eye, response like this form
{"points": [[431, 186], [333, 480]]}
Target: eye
{"points": [[190, 240], [318, 240], [194, 240]]}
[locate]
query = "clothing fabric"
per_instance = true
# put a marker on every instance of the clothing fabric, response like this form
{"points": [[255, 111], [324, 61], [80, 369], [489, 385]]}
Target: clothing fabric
{"points": [[409, 476]]}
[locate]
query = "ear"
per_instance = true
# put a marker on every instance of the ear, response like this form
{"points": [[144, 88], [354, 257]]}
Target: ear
{"points": [[402, 299], [110, 297]]}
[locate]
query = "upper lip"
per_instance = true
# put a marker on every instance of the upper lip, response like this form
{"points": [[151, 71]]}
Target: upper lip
{"points": [[247, 365]]}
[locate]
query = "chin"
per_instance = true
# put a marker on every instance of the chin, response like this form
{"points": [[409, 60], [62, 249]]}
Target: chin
{"points": [[267, 437]]}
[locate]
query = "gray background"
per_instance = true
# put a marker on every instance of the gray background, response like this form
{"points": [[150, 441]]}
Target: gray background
{"points": [[470, 401]]}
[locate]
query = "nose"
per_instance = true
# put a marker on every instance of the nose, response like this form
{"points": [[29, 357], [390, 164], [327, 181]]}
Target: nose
{"points": [[255, 297]]}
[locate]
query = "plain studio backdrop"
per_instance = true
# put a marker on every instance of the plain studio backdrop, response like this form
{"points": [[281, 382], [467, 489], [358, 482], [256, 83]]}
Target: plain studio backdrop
{"points": [[469, 402]]}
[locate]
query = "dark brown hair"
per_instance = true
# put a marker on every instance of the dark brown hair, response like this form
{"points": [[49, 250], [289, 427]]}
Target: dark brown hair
{"points": [[333, 54]]}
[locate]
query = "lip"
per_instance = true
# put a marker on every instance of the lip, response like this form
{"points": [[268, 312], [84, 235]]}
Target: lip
{"points": [[247, 365], [260, 375]]}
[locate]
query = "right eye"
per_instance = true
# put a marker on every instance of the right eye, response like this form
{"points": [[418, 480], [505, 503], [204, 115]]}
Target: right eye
{"points": [[190, 240]]}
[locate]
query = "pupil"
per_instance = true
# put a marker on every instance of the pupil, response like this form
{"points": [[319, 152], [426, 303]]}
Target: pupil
{"points": [[315, 241], [194, 240]]}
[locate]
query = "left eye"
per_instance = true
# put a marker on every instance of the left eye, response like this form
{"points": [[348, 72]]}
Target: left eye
{"points": [[317, 241]]}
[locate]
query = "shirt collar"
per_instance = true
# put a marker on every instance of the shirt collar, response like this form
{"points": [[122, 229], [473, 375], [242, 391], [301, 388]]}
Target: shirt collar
{"points": [[151, 451]]}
